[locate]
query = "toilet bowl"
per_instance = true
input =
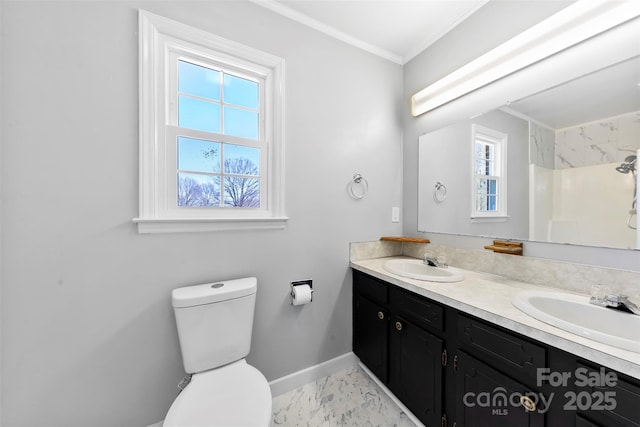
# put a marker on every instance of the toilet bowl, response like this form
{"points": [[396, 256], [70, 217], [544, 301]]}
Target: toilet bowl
{"points": [[215, 322], [233, 395]]}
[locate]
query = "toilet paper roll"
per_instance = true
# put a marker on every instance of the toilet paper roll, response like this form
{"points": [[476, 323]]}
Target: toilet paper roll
{"points": [[301, 294]]}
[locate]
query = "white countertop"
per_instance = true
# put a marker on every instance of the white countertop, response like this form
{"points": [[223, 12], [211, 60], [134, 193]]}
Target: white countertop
{"points": [[488, 297]]}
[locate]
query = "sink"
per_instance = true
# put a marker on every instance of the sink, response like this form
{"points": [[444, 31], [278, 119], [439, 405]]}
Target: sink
{"points": [[416, 269], [573, 313]]}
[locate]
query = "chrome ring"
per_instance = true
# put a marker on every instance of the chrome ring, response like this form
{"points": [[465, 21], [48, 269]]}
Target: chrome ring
{"points": [[439, 192], [358, 181]]}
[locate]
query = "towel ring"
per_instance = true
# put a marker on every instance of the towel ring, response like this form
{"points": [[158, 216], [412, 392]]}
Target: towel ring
{"points": [[356, 182], [439, 192]]}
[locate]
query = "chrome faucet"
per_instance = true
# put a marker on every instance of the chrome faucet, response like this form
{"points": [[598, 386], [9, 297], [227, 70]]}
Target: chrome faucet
{"points": [[440, 261], [620, 302]]}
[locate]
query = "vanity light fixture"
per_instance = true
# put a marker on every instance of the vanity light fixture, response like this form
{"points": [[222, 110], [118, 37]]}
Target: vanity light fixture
{"points": [[572, 25]]}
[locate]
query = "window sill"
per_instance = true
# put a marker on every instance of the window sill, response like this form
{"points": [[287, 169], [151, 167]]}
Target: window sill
{"points": [[192, 225], [490, 219]]}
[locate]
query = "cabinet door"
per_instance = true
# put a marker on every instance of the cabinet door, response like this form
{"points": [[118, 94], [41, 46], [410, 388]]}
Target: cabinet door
{"points": [[486, 397], [370, 336], [415, 369], [605, 398]]}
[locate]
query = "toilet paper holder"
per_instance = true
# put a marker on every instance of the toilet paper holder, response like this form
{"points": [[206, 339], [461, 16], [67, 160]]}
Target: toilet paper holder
{"points": [[308, 282]]}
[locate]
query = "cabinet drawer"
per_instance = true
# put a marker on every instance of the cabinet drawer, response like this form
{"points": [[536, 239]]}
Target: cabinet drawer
{"points": [[370, 287], [507, 350], [422, 311], [474, 380], [624, 395]]}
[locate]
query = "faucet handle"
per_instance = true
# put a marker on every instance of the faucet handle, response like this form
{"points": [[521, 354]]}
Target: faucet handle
{"points": [[599, 293], [442, 261], [631, 306]]}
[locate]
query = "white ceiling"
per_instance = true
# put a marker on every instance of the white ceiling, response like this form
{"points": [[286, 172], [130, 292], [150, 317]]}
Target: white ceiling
{"points": [[400, 29], [394, 29]]}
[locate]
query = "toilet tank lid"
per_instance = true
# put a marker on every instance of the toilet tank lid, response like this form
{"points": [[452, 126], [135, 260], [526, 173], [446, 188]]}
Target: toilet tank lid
{"points": [[209, 293]]}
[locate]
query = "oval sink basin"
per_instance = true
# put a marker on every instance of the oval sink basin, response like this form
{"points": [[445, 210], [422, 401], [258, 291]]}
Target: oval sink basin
{"points": [[573, 313], [416, 269]]}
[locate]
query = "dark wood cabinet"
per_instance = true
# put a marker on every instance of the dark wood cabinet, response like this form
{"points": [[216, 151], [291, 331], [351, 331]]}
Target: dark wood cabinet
{"points": [[487, 397], [370, 335], [415, 369], [452, 369], [390, 337], [605, 398]]}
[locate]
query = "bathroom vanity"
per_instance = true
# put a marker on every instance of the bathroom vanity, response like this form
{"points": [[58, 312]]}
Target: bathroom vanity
{"points": [[459, 354]]}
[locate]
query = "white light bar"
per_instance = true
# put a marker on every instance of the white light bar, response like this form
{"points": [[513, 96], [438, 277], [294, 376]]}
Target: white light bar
{"points": [[572, 25]]}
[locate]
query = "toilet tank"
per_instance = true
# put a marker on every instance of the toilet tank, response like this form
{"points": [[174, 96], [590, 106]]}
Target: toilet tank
{"points": [[214, 322]]}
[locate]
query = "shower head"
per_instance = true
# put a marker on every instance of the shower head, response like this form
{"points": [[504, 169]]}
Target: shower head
{"points": [[629, 164]]}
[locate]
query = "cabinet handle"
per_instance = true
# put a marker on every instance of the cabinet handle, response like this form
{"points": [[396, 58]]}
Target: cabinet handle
{"points": [[399, 326], [380, 315], [528, 404]]}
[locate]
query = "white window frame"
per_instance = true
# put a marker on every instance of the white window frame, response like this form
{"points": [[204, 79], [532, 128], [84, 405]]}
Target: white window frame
{"points": [[499, 141], [163, 42]]}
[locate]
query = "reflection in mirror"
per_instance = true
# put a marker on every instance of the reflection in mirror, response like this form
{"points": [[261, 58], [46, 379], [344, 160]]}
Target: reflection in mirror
{"points": [[571, 165], [445, 156]]}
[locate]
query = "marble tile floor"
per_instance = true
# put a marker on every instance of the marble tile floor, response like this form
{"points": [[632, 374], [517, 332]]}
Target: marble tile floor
{"points": [[347, 398]]}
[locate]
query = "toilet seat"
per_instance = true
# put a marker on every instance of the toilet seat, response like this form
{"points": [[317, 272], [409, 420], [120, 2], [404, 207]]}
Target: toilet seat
{"points": [[233, 395]]}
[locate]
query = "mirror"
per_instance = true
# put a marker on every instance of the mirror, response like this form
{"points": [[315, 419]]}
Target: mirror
{"points": [[571, 157]]}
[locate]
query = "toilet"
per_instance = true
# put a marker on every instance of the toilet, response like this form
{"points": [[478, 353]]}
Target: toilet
{"points": [[214, 323]]}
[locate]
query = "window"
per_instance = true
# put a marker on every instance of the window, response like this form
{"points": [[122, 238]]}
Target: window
{"points": [[489, 178], [211, 132]]}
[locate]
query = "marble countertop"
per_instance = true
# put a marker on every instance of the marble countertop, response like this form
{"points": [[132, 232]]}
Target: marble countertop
{"points": [[489, 296]]}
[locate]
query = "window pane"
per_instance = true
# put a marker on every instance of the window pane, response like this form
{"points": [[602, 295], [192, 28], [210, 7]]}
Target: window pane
{"points": [[491, 203], [241, 160], [241, 92], [486, 186], [486, 203], [241, 192], [484, 167], [198, 115], [198, 190], [481, 203], [491, 186], [481, 186], [484, 151], [198, 155], [198, 81], [489, 168], [240, 123]]}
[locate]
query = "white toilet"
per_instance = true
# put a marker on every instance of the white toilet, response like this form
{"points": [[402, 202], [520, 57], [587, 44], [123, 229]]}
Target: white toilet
{"points": [[215, 322]]}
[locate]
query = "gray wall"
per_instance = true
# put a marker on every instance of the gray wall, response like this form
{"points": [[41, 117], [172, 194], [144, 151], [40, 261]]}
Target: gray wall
{"points": [[88, 334], [490, 26]]}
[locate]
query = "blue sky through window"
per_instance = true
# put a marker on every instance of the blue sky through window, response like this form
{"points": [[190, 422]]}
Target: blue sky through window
{"points": [[202, 105], [213, 101], [199, 81], [198, 155]]}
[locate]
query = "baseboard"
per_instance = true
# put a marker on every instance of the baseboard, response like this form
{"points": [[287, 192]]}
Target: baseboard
{"points": [[392, 396], [307, 375]]}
